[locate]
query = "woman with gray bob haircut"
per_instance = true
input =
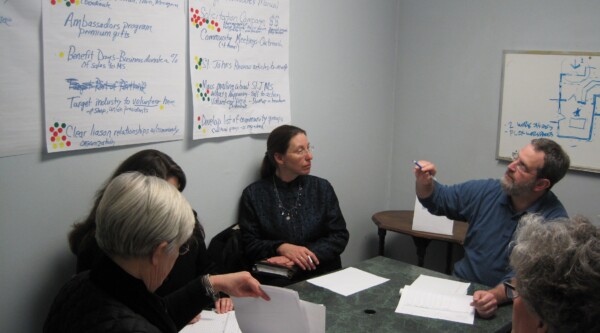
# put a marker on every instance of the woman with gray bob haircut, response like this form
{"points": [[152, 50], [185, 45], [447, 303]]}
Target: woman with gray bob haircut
{"points": [[143, 225], [557, 281], [139, 213]]}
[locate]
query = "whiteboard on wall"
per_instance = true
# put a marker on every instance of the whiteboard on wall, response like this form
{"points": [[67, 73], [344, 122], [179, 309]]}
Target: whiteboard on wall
{"points": [[554, 95]]}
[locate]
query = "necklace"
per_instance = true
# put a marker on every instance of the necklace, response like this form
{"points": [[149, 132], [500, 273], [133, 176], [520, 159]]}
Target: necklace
{"points": [[288, 213]]}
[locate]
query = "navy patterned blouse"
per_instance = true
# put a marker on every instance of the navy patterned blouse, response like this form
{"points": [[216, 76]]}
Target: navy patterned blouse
{"points": [[304, 212]]}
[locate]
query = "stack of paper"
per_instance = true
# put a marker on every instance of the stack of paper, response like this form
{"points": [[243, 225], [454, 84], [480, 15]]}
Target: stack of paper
{"points": [[285, 312], [437, 298]]}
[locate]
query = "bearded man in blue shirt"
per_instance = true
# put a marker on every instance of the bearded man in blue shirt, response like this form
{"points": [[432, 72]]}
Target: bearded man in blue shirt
{"points": [[493, 207]]}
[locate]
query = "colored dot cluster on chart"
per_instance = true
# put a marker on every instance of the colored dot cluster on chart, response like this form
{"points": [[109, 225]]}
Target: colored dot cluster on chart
{"points": [[202, 93], [68, 3], [58, 136], [199, 21], [198, 62], [200, 125]]}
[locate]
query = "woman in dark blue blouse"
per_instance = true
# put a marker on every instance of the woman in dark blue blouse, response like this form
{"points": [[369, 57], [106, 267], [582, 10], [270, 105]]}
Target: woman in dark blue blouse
{"points": [[289, 217]]}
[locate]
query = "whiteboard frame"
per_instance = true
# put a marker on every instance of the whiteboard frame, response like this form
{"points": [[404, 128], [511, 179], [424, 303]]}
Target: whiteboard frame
{"points": [[592, 169]]}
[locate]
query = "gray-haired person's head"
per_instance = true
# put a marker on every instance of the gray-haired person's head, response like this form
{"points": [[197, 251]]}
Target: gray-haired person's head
{"points": [[138, 212], [557, 267]]}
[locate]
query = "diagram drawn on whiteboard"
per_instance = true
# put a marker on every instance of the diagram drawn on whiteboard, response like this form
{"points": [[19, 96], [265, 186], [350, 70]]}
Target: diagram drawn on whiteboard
{"points": [[552, 95], [578, 92]]}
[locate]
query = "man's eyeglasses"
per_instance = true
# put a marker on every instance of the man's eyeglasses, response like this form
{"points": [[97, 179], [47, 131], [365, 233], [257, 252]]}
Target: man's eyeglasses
{"points": [[510, 291], [304, 151], [520, 165]]}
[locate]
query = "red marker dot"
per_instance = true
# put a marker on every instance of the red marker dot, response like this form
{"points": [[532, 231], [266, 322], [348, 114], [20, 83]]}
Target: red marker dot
{"points": [[52, 139], [216, 24], [68, 143], [197, 11], [218, 29], [199, 118], [55, 134], [51, 129], [212, 21], [64, 138], [60, 130]]}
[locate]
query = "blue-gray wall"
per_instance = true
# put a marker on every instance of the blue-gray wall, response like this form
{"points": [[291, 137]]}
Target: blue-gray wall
{"points": [[447, 96], [376, 84], [342, 58]]}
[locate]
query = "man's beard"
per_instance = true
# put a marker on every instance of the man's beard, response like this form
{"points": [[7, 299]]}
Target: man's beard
{"points": [[514, 190]]}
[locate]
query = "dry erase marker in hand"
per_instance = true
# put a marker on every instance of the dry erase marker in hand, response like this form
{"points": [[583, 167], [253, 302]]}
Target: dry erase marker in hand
{"points": [[421, 168], [310, 260], [417, 164]]}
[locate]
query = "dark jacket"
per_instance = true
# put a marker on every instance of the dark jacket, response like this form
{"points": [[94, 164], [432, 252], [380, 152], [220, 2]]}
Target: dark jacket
{"points": [[107, 299], [186, 268]]}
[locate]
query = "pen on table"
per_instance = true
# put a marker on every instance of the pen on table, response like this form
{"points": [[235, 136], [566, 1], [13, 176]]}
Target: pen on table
{"points": [[421, 168]]}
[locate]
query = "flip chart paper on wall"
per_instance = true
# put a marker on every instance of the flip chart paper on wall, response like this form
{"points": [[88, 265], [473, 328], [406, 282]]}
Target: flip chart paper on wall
{"points": [[114, 72], [423, 220], [239, 55], [20, 90]]}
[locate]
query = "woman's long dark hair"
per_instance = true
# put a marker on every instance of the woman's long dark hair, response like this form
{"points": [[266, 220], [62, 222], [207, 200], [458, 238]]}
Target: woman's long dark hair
{"points": [[278, 142], [149, 162]]}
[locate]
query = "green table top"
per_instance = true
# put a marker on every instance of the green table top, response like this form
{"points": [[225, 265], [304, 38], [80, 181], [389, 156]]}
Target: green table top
{"points": [[347, 313]]}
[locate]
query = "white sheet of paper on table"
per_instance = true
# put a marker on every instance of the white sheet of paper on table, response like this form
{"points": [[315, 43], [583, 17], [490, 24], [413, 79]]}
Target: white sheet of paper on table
{"points": [[419, 302], [348, 281], [439, 285], [213, 322], [437, 298]]}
